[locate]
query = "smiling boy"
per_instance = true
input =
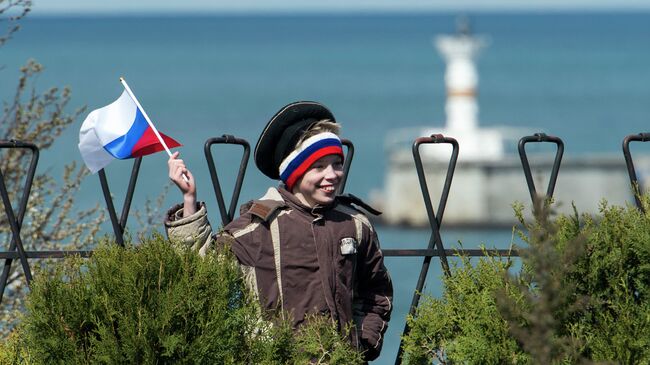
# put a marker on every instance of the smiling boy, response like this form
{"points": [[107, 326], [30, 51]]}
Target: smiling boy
{"points": [[302, 248]]}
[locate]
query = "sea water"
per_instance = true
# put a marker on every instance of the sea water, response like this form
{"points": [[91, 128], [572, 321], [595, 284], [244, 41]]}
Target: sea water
{"points": [[581, 76]]}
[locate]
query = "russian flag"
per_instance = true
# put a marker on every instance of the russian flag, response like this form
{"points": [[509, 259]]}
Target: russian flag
{"points": [[118, 131]]}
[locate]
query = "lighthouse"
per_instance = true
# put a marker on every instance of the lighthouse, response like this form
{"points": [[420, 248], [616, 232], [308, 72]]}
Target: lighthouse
{"points": [[460, 52], [488, 177]]}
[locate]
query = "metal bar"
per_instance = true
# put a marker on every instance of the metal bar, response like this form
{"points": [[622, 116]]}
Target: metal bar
{"points": [[471, 252], [541, 137], [117, 228], [227, 216], [15, 229], [46, 254], [346, 164], [434, 221], [636, 185], [129, 192], [16, 222]]}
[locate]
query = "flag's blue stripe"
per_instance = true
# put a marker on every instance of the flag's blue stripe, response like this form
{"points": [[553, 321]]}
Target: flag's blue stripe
{"points": [[302, 156], [122, 147]]}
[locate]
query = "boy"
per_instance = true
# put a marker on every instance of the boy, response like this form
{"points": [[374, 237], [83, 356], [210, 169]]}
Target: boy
{"points": [[301, 248]]}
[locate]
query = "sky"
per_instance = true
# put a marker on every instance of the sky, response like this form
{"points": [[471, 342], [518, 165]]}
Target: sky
{"points": [[45, 7]]}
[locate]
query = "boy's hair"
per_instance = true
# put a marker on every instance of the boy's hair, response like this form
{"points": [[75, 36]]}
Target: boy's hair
{"points": [[322, 126]]}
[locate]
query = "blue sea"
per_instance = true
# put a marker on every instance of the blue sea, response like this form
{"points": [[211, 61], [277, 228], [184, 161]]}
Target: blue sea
{"points": [[584, 77]]}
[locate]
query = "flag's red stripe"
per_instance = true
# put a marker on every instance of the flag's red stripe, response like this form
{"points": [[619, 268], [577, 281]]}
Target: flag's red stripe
{"points": [[148, 143]]}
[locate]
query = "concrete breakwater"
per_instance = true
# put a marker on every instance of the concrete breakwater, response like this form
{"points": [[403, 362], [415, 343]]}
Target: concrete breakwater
{"points": [[482, 192]]}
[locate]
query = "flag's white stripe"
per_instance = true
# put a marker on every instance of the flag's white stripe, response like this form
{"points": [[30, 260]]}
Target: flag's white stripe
{"points": [[103, 126], [117, 118], [92, 151]]}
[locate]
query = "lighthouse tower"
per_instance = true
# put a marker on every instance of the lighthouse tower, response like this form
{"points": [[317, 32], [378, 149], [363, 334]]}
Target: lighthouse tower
{"points": [[460, 51]]}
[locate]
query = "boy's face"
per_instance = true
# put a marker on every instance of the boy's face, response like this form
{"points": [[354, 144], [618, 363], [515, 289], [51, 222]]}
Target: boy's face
{"points": [[318, 185]]}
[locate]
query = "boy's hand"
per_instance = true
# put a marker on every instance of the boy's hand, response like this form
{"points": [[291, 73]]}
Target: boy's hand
{"points": [[177, 169]]}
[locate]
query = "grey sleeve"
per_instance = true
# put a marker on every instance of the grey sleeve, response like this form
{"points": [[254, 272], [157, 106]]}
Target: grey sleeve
{"points": [[193, 231]]}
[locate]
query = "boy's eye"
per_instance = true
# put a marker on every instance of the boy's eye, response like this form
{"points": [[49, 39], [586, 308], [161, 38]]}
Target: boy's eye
{"points": [[336, 164]]}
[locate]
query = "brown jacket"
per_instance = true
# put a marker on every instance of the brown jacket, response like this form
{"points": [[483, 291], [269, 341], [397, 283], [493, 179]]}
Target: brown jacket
{"points": [[325, 259]]}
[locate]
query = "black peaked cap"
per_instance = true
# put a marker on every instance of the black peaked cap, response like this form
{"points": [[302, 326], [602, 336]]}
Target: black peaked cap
{"points": [[283, 131]]}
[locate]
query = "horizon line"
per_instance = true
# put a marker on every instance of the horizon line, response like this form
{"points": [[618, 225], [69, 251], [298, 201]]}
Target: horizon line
{"points": [[325, 12]]}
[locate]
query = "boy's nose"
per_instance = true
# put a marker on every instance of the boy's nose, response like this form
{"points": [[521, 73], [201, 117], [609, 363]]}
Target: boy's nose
{"points": [[332, 173]]}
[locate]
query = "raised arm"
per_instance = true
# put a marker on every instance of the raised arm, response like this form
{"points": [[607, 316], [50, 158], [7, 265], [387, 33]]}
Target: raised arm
{"points": [[177, 169]]}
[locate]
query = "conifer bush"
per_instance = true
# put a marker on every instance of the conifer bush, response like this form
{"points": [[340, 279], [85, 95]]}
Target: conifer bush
{"points": [[52, 220], [582, 296], [157, 303], [465, 326]]}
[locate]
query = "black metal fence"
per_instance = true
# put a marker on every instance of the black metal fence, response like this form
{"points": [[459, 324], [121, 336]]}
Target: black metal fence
{"points": [[435, 247]]}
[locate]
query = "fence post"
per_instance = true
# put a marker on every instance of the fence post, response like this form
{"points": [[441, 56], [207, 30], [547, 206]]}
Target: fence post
{"points": [[541, 137], [434, 221], [227, 216], [636, 185], [120, 225], [346, 164], [16, 221]]}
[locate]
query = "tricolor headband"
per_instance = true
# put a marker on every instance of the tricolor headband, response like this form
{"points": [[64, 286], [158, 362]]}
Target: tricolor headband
{"points": [[298, 161]]}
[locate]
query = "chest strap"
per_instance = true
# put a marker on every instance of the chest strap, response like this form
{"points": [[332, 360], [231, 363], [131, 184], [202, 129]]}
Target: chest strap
{"points": [[275, 237]]}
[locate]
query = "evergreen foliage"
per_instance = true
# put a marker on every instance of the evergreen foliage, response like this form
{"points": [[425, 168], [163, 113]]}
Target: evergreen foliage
{"points": [[51, 220], [542, 321], [319, 342], [581, 296], [465, 326], [615, 274], [157, 303]]}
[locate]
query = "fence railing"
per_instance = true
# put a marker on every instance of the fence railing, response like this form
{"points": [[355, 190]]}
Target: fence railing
{"points": [[16, 249], [435, 247], [636, 185], [435, 220], [229, 215]]}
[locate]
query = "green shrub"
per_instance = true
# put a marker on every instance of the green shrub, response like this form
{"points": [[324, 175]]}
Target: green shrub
{"points": [[615, 274], [320, 343], [13, 352], [153, 303], [465, 326], [581, 296]]}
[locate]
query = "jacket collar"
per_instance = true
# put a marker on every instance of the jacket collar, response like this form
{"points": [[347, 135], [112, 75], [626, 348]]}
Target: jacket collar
{"points": [[279, 198], [293, 202]]}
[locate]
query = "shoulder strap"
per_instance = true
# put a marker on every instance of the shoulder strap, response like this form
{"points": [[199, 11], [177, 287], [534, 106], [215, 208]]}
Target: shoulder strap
{"points": [[350, 199], [266, 205], [268, 209]]}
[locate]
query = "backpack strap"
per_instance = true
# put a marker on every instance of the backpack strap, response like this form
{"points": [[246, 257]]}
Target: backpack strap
{"points": [[350, 199]]}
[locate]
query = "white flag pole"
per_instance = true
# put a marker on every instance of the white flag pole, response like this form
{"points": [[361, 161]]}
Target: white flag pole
{"points": [[146, 117]]}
